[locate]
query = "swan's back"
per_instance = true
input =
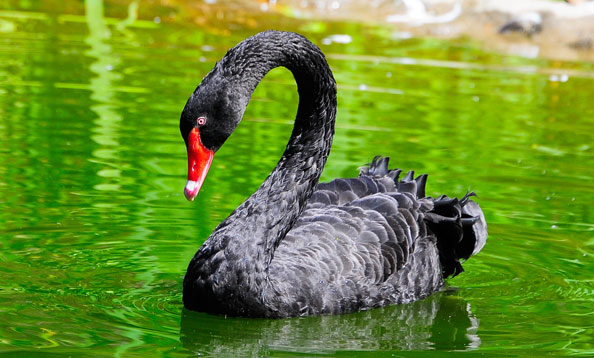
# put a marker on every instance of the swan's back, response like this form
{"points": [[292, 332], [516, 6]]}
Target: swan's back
{"points": [[369, 241]]}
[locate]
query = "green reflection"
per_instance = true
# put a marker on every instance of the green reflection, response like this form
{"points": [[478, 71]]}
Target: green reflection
{"points": [[107, 126]]}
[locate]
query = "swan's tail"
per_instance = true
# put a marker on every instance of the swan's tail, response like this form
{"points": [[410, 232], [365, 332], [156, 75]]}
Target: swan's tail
{"points": [[458, 224], [460, 228]]}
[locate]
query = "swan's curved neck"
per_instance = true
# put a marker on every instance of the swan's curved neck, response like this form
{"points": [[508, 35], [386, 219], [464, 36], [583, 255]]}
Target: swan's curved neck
{"points": [[257, 226]]}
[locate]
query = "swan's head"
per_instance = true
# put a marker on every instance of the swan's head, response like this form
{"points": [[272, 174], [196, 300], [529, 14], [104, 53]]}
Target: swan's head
{"points": [[211, 114]]}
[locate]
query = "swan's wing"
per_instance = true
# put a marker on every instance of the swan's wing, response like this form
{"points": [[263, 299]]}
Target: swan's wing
{"points": [[370, 237], [364, 237], [344, 257], [458, 224]]}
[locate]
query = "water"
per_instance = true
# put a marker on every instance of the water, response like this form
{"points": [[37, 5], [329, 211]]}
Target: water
{"points": [[95, 233]]}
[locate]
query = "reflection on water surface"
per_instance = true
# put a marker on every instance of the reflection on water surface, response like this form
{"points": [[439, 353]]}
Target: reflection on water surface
{"points": [[441, 321], [95, 234]]}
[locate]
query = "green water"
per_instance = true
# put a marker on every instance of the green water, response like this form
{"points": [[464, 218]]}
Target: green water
{"points": [[95, 233]]}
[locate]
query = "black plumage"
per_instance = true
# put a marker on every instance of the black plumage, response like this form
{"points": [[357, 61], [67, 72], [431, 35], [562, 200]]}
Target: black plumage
{"points": [[296, 247]]}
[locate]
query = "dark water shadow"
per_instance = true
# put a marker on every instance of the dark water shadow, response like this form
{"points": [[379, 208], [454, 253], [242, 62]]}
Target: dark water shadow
{"points": [[443, 321]]}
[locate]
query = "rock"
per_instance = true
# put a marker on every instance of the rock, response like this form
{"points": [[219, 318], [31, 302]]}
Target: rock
{"points": [[528, 23], [583, 44]]}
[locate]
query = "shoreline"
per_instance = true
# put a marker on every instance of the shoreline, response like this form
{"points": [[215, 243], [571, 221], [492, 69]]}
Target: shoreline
{"points": [[566, 30]]}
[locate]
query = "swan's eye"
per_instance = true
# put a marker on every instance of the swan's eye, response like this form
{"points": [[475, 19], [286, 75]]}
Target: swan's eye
{"points": [[201, 121]]}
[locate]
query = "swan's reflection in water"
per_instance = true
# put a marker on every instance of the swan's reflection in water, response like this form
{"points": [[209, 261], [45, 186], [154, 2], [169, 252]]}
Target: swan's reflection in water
{"points": [[442, 322]]}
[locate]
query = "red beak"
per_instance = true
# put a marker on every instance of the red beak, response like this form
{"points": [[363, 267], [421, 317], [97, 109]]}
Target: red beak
{"points": [[199, 160]]}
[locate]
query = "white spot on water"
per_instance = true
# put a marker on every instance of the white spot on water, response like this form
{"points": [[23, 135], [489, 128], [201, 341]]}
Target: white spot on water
{"points": [[338, 38], [559, 78]]}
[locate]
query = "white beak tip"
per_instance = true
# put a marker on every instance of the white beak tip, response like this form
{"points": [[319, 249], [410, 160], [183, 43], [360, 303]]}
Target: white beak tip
{"points": [[191, 190]]}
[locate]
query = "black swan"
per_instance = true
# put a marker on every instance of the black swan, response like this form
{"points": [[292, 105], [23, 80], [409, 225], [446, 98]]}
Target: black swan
{"points": [[297, 247]]}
